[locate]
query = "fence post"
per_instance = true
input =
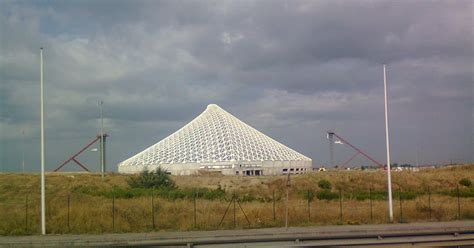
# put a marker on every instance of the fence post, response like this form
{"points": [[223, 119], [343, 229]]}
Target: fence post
{"points": [[153, 210], [241, 209], [233, 199], [288, 184], [194, 207], [26, 213], [401, 207], [273, 198], [370, 203], [459, 202], [309, 207], [68, 212], [340, 206], [225, 213], [429, 201], [113, 211], [286, 211]]}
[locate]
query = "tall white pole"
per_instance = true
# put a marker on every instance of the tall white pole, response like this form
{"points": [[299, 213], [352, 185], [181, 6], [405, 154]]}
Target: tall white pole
{"points": [[389, 178], [23, 150], [102, 168], [43, 215]]}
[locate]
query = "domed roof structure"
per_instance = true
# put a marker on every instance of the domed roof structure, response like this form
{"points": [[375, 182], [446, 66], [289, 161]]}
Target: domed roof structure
{"points": [[216, 140]]}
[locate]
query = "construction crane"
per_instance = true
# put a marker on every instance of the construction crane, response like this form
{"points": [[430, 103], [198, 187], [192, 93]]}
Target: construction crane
{"points": [[331, 135]]}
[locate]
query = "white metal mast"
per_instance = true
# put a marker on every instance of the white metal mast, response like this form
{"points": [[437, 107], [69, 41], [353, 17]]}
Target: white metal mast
{"points": [[43, 215], [389, 178]]}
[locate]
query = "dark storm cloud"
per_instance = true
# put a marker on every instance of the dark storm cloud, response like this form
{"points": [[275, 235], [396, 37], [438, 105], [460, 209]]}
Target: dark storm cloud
{"points": [[290, 68]]}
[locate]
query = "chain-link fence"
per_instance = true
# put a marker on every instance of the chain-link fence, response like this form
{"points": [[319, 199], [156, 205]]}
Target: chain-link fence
{"points": [[79, 212]]}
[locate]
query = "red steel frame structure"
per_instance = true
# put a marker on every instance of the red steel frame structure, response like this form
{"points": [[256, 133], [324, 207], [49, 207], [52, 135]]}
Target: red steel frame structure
{"points": [[358, 151], [73, 157]]}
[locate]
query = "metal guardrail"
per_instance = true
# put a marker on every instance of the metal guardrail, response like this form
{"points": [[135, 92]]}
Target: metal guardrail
{"points": [[312, 240], [406, 234]]}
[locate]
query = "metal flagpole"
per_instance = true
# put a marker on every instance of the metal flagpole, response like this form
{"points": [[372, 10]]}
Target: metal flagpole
{"points": [[43, 215], [389, 179]]}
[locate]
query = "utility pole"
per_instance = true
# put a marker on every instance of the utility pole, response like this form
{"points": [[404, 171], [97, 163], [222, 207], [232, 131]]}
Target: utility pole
{"points": [[389, 179], [102, 164], [43, 215]]}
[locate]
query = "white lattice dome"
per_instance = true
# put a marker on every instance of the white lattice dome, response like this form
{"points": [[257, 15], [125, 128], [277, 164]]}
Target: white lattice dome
{"points": [[214, 137]]}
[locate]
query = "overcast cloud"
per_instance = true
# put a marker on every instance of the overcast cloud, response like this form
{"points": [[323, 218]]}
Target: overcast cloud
{"points": [[291, 69]]}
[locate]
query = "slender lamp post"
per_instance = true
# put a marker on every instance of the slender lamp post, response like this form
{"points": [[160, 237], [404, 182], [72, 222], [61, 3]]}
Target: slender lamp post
{"points": [[43, 215], [102, 166], [23, 150], [389, 178]]}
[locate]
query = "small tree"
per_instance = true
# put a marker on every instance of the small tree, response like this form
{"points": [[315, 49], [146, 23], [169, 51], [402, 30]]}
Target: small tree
{"points": [[324, 184], [151, 179], [465, 182]]}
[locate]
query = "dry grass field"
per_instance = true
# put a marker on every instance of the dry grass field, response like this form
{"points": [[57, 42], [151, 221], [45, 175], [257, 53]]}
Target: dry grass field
{"points": [[427, 195]]}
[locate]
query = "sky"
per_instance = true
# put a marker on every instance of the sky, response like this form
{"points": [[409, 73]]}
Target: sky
{"points": [[291, 69]]}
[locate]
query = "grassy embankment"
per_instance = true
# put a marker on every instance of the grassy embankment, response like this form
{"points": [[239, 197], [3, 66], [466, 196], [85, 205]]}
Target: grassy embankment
{"points": [[91, 201]]}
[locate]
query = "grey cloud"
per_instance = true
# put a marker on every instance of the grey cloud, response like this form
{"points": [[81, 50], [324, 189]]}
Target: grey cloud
{"points": [[288, 68]]}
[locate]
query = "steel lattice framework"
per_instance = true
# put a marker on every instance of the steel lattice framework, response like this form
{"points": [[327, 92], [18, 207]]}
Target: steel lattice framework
{"points": [[214, 136]]}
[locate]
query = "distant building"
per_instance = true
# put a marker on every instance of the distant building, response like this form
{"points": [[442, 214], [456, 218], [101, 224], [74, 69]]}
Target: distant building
{"points": [[217, 141]]}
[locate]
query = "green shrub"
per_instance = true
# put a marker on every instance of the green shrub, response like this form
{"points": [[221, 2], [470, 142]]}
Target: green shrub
{"points": [[208, 194], [125, 193], [88, 190], [405, 195], [307, 195], [327, 195], [324, 184], [463, 192], [151, 179], [465, 182], [189, 193], [166, 193], [365, 195]]}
